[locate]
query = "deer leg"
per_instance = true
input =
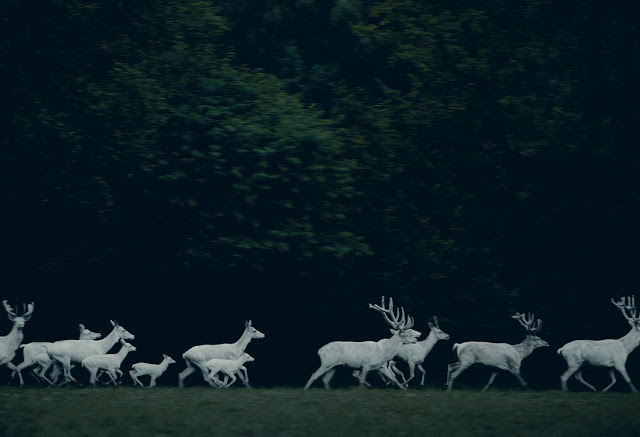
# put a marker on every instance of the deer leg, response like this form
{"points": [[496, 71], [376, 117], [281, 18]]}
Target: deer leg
{"points": [[625, 375], [579, 377], [454, 370], [516, 373], [16, 370], [326, 379], [186, 372], [491, 378], [134, 376], [233, 379], [244, 377], [412, 372], [315, 375], [363, 376], [152, 381], [420, 368], [393, 379], [612, 373]]}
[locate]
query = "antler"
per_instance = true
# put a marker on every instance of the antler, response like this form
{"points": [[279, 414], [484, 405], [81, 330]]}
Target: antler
{"points": [[528, 321], [399, 321], [12, 314], [26, 315], [628, 308]]}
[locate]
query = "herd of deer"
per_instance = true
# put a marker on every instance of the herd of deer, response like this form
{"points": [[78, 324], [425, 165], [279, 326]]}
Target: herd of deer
{"points": [[54, 359]]}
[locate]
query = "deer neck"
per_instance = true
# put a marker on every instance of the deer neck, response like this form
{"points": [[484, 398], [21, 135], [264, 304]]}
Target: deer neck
{"points": [[525, 348], [108, 342], [428, 343], [14, 338], [631, 340], [390, 346], [243, 341]]}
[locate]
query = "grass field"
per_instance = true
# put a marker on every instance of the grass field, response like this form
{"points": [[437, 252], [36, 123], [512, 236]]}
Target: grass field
{"points": [[127, 411]]}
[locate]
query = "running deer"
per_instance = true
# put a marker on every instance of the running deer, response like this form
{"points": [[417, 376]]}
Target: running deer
{"points": [[10, 343], [197, 356], [153, 370], [610, 353], [500, 355], [366, 355], [230, 368], [68, 351], [110, 363], [36, 353], [415, 353]]}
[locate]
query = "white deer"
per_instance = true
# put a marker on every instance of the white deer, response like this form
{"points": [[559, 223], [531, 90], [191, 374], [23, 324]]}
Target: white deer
{"points": [[229, 367], [68, 351], [153, 370], [501, 355], [36, 353], [110, 363], [415, 353], [10, 343], [197, 356], [366, 355], [610, 353]]}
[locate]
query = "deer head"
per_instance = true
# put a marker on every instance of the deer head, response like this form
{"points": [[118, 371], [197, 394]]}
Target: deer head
{"points": [[532, 326], [435, 328], [18, 321], [251, 331]]}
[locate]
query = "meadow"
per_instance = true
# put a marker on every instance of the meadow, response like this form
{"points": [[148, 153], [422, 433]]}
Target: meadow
{"points": [[164, 411]]}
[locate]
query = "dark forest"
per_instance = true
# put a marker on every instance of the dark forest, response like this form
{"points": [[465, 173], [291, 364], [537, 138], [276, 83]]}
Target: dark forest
{"points": [[184, 166]]}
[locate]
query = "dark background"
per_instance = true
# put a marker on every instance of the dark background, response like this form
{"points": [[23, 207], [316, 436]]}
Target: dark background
{"points": [[182, 167]]}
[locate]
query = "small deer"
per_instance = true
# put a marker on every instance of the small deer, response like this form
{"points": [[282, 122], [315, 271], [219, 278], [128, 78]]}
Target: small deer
{"points": [[153, 370], [366, 355], [501, 355], [110, 363], [229, 367], [604, 353], [197, 356], [10, 343], [415, 353]]}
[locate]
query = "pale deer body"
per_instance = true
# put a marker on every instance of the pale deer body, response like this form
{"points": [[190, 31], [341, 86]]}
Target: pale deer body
{"points": [[365, 355], [415, 353], [36, 353], [68, 351], [197, 356], [153, 370], [611, 353], [10, 343], [229, 367], [499, 355], [110, 363]]}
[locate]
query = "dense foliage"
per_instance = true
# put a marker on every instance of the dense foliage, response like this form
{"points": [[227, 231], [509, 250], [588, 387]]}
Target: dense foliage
{"points": [[469, 158]]}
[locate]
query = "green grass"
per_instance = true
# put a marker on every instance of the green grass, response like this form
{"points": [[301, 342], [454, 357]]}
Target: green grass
{"points": [[126, 411]]}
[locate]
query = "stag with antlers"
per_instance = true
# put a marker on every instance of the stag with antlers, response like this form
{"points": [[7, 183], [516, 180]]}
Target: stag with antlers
{"points": [[10, 343], [366, 355], [500, 355], [610, 353]]}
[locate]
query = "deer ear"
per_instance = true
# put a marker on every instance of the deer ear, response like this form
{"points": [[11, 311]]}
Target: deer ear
{"points": [[431, 325], [247, 324], [394, 331]]}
